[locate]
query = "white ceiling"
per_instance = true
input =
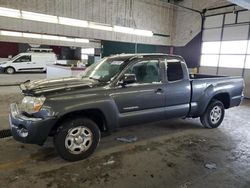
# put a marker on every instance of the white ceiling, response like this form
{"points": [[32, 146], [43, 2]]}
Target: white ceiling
{"points": [[242, 3]]}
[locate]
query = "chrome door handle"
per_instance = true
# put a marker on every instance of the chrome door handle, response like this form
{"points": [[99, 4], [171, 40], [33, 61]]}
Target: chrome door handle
{"points": [[159, 91]]}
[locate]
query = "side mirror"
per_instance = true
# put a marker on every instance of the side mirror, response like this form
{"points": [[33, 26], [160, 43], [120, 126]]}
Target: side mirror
{"points": [[128, 79]]}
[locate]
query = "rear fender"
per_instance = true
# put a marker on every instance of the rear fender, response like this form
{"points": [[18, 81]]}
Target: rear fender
{"points": [[206, 98]]}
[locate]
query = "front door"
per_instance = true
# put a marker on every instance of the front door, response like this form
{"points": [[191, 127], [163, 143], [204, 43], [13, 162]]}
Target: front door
{"points": [[144, 100], [23, 63]]}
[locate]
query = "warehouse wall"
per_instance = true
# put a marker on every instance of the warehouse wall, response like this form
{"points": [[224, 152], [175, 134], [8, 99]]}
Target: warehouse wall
{"points": [[187, 24], [191, 51], [111, 48], [7, 48], [143, 14]]}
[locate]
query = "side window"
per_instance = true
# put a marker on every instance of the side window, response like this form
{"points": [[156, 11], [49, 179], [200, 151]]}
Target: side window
{"points": [[24, 58], [146, 71], [174, 70]]}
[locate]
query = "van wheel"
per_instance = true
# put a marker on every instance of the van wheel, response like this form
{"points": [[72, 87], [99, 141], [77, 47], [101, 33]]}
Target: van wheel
{"points": [[10, 70], [214, 114], [77, 139]]}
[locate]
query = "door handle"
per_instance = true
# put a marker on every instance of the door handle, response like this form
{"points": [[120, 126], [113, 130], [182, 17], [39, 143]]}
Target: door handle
{"points": [[159, 91]]}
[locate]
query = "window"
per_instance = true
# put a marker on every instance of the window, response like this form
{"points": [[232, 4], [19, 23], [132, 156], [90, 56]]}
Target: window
{"points": [[247, 65], [146, 71], [226, 45], [213, 21], [234, 47], [86, 52], [105, 70], [248, 48], [211, 47], [174, 70], [227, 54], [84, 57], [209, 60], [90, 51], [230, 18], [232, 61], [24, 58]]}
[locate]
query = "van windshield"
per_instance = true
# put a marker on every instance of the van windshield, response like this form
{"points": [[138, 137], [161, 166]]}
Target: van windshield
{"points": [[105, 70], [15, 57]]}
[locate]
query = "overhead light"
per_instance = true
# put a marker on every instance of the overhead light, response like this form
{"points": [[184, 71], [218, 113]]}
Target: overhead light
{"points": [[11, 33], [81, 40], [72, 22], [100, 26], [50, 37], [133, 31], [40, 36], [32, 35], [121, 29], [143, 32], [39, 17], [67, 39], [8, 12]]}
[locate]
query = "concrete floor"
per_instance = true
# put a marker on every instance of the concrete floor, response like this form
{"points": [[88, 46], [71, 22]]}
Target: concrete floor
{"points": [[170, 153], [17, 78]]}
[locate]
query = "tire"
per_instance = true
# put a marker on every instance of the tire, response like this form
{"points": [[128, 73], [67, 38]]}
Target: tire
{"points": [[10, 70], [214, 115], [77, 138]]}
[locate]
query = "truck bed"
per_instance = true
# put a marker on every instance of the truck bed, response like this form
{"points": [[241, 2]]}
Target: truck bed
{"points": [[206, 86], [199, 76]]}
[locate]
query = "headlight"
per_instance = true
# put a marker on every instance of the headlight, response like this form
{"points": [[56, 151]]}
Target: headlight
{"points": [[32, 104]]}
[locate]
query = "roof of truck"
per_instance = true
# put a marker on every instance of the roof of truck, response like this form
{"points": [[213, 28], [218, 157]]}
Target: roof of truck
{"points": [[29, 53], [144, 54]]}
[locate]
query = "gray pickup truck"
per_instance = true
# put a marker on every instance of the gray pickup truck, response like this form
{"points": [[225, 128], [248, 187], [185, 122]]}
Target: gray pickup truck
{"points": [[117, 91]]}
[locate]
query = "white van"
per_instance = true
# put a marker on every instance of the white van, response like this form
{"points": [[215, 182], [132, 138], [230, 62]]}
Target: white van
{"points": [[28, 61]]}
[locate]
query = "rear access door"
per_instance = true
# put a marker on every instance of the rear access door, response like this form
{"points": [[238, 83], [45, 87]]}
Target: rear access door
{"points": [[41, 60], [178, 88]]}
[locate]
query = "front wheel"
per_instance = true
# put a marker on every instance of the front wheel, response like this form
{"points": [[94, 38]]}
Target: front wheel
{"points": [[214, 114], [77, 139], [10, 70]]}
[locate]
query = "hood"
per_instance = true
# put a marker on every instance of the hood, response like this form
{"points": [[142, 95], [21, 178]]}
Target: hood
{"points": [[4, 62], [52, 85]]}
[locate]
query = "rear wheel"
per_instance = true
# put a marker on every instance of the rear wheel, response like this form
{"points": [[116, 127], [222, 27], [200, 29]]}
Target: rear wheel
{"points": [[10, 70], [214, 114], [77, 139]]}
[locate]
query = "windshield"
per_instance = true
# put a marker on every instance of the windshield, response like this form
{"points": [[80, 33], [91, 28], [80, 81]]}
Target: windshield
{"points": [[105, 70], [15, 57]]}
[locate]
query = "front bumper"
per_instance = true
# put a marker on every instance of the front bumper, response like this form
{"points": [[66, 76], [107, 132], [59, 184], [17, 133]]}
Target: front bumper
{"points": [[28, 129], [2, 69]]}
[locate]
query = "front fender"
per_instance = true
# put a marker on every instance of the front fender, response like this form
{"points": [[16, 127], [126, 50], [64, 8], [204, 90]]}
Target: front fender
{"points": [[105, 105]]}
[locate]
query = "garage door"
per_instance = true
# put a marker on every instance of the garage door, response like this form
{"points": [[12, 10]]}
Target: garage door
{"points": [[226, 47]]}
